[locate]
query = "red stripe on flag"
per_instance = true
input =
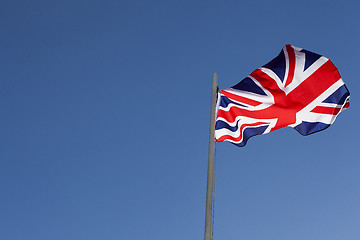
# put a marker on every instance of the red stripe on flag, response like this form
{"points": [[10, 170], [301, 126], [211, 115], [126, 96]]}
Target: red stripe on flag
{"points": [[231, 114], [228, 137], [329, 110], [240, 99], [291, 58], [326, 110]]}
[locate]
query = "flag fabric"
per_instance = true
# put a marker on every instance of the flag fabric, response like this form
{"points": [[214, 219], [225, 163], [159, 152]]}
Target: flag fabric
{"points": [[298, 89]]}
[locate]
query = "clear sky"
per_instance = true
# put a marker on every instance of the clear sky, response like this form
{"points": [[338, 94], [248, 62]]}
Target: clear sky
{"points": [[105, 110]]}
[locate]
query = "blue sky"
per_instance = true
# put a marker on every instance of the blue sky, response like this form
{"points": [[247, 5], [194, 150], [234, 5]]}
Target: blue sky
{"points": [[105, 122]]}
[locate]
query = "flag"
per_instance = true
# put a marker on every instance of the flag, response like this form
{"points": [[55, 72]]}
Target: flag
{"points": [[298, 89]]}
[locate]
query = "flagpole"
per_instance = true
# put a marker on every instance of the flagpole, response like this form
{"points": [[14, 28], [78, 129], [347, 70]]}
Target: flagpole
{"points": [[210, 173]]}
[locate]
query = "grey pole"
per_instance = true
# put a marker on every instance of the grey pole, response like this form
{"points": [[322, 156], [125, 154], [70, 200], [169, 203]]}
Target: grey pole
{"points": [[210, 174]]}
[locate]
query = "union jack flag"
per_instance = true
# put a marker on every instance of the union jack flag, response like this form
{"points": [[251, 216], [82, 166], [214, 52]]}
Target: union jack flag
{"points": [[298, 89]]}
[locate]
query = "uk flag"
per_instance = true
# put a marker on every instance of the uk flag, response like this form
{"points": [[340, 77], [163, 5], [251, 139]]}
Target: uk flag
{"points": [[298, 89]]}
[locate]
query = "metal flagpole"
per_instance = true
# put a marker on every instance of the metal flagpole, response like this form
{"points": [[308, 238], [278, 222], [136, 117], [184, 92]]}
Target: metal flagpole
{"points": [[210, 176]]}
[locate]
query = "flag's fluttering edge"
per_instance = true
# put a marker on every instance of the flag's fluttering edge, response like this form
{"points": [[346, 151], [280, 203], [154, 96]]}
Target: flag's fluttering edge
{"points": [[298, 89]]}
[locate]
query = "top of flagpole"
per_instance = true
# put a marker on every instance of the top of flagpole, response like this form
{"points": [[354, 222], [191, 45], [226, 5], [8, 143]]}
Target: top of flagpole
{"points": [[215, 81]]}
